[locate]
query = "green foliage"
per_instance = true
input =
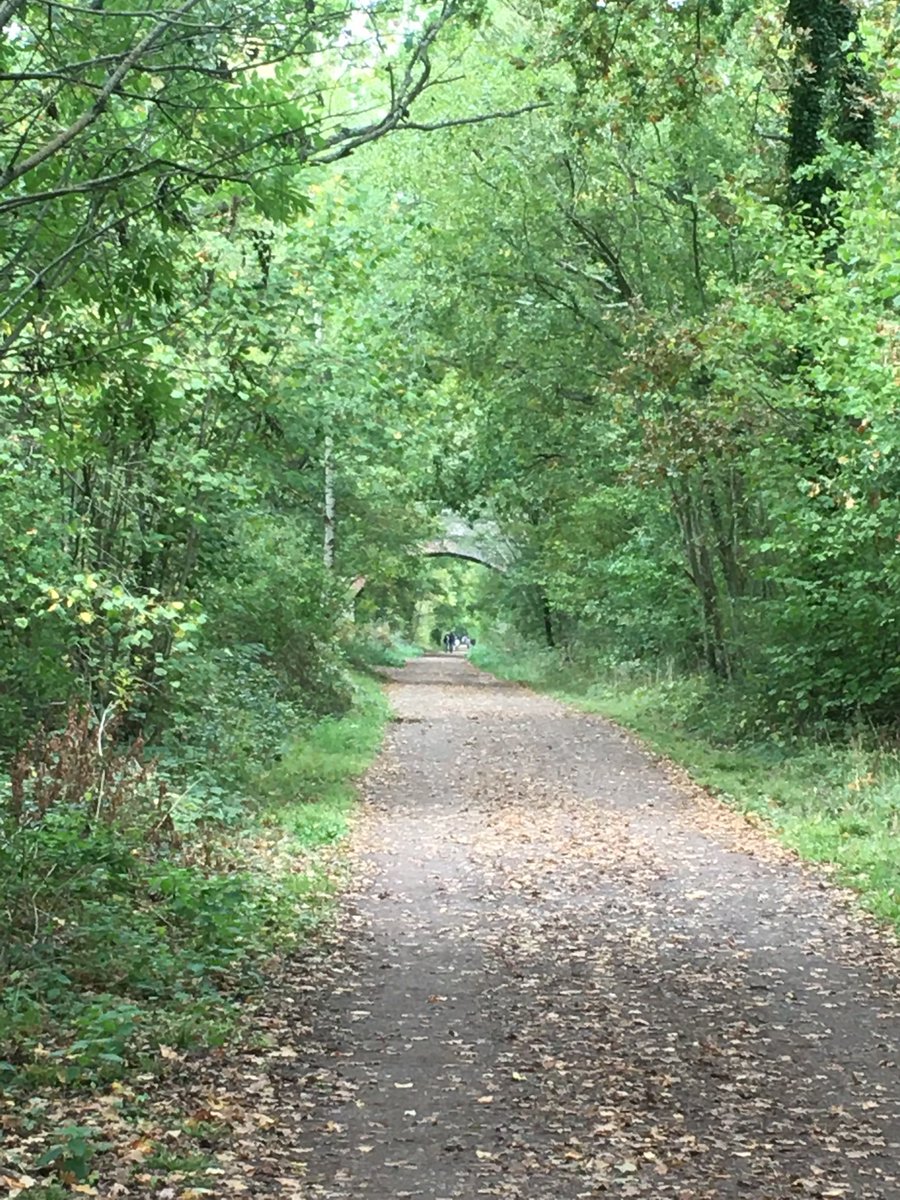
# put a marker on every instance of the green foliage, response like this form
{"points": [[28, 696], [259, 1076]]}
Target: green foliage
{"points": [[372, 650], [188, 319], [71, 1151], [108, 954], [117, 942], [678, 398], [646, 325]]}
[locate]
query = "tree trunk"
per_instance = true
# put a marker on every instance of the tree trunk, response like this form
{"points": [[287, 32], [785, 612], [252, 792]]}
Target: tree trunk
{"points": [[328, 538], [548, 622]]}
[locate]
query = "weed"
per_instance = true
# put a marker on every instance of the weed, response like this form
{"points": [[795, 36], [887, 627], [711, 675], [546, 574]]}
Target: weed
{"points": [[310, 792], [70, 1152], [188, 1164], [368, 652]]}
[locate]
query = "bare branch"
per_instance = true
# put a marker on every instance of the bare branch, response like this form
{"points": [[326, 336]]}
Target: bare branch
{"points": [[430, 126]]}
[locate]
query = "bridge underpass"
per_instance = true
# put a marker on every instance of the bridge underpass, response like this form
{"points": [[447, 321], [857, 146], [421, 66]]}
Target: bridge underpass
{"points": [[476, 541]]}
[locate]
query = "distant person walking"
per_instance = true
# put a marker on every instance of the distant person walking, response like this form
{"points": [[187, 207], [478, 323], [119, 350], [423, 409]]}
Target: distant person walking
{"points": [[450, 642]]}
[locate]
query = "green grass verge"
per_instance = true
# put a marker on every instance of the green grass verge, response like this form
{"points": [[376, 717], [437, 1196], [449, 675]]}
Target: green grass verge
{"points": [[834, 801], [311, 792]]}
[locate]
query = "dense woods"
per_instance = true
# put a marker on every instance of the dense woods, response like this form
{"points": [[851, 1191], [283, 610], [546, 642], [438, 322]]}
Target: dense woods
{"points": [[675, 336], [280, 285]]}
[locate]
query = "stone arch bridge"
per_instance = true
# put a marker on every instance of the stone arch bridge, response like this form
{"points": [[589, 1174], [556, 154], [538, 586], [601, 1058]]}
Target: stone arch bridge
{"points": [[473, 541], [478, 541]]}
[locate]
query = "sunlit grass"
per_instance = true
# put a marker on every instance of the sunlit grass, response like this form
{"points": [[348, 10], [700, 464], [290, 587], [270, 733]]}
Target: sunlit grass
{"points": [[311, 791]]}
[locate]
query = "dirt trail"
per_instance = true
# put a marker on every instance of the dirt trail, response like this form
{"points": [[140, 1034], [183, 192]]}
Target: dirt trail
{"points": [[562, 976]]}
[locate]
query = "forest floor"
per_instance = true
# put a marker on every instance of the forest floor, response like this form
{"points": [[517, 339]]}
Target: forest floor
{"points": [[559, 972]]}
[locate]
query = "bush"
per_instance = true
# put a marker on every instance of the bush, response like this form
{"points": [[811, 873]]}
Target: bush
{"points": [[109, 949], [134, 928], [109, 953], [228, 722], [367, 650], [81, 765]]}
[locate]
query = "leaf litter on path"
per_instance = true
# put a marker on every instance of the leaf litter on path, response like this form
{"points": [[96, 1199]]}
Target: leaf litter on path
{"points": [[559, 974]]}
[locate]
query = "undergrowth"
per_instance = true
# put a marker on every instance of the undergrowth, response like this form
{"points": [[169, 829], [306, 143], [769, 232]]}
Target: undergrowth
{"points": [[834, 797], [367, 652], [124, 937], [310, 792]]}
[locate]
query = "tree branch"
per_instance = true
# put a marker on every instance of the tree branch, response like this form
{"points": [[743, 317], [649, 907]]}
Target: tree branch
{"points": [[90, 115], [455, 122]]}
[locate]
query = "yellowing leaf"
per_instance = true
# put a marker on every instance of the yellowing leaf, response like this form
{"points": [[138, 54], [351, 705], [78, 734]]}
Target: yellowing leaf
{"points": [[17, 1183], [141, 1145]]}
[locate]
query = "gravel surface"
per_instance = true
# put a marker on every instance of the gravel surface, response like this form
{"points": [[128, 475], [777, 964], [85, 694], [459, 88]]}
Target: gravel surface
{"points": [[562, 974]]}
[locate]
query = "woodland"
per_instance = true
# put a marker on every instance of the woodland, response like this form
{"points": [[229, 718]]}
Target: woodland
{"points": [[281, 285]]}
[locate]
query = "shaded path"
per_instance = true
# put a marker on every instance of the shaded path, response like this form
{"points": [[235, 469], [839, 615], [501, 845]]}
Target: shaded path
{"points": [[563, 977]]}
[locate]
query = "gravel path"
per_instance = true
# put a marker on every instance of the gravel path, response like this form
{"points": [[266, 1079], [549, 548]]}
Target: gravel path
{"points": [[562, 975]]}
